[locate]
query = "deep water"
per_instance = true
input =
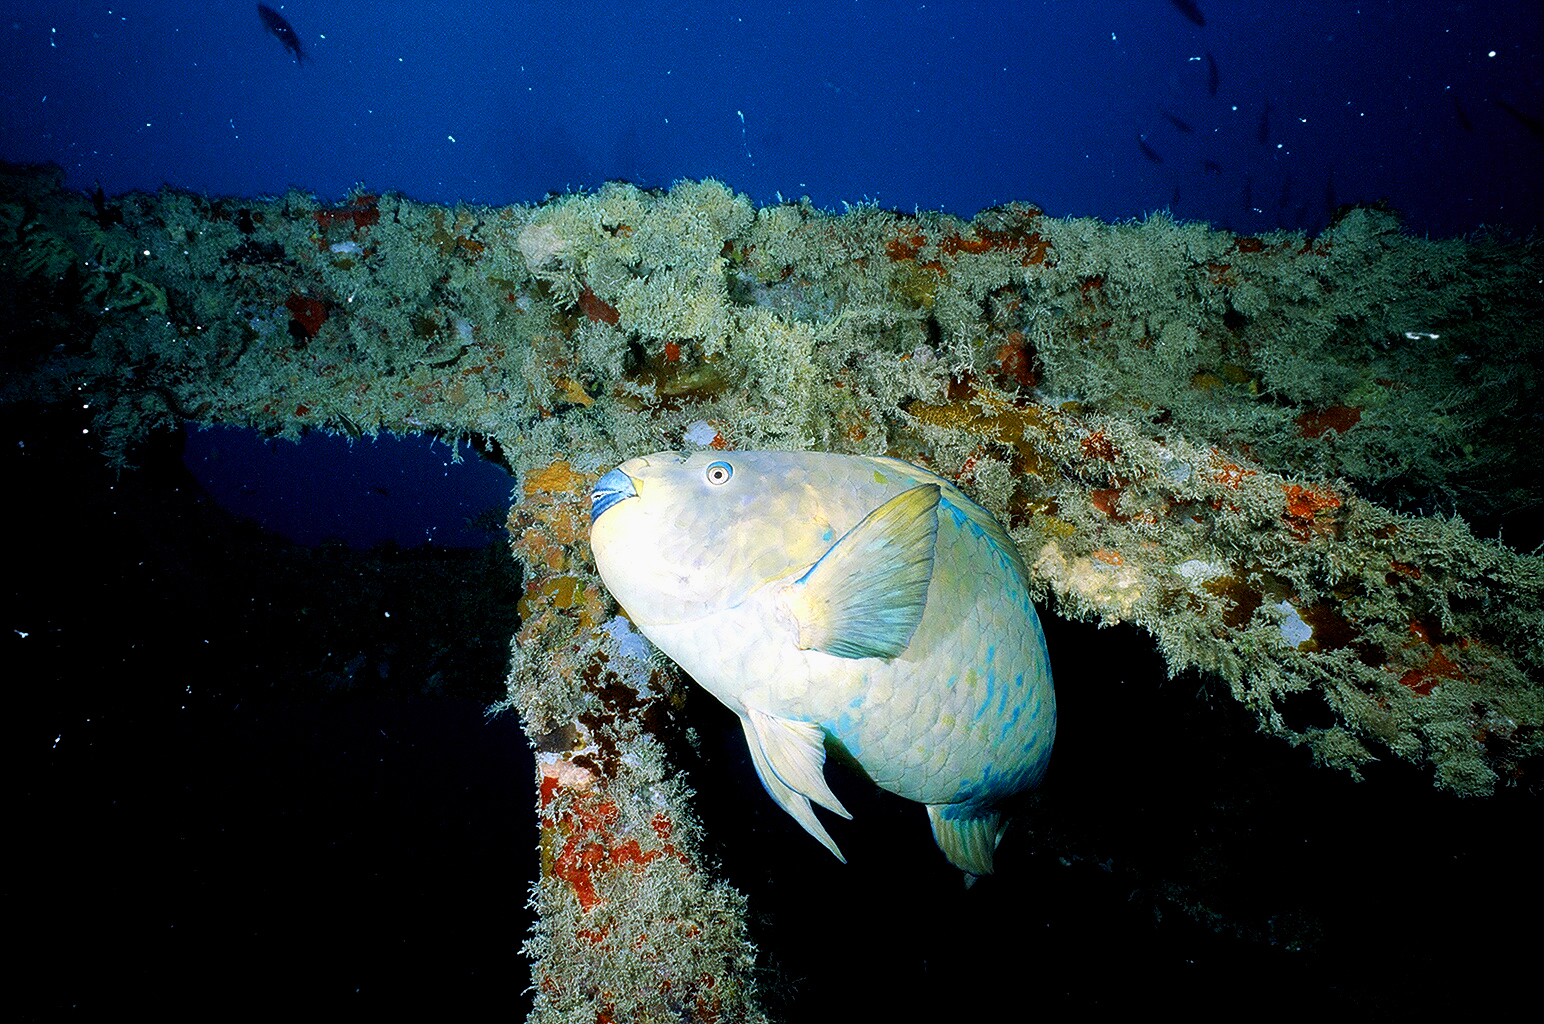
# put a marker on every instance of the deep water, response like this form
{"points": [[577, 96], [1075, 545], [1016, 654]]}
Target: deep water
{"points": [[254, 769], [251, 773]]}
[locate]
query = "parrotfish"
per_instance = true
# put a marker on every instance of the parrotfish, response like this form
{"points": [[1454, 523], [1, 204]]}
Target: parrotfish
{"points": [[845, 600]]}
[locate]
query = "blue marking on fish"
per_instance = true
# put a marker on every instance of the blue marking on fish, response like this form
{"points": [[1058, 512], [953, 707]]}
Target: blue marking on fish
{"points": [[822, 595]]}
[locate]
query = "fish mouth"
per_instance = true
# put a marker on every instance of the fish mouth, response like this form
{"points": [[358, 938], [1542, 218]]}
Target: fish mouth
{"points": [[615, 486]]}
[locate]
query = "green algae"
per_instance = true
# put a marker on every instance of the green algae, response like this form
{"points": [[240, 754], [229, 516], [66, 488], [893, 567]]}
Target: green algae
{"points": [[1252, 448]]}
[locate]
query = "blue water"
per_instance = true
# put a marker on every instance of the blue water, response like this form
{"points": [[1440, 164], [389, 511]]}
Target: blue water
{"points": [[405, 490], [936, 105], [200, 829], [954, 106]]}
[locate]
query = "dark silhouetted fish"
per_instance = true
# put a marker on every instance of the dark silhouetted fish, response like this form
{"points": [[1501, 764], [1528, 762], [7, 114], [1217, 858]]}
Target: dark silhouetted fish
{"points": [[106, 216], [1528, 121], [1463, 118], [1212, 78], [1189, 9], [1177, 123], [282, 30], [1210, 167], [1263, 133], [1149, 151]]}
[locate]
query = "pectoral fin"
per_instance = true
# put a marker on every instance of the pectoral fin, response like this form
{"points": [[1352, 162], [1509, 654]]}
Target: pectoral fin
{"points": [[866, 595], [789, 757]]}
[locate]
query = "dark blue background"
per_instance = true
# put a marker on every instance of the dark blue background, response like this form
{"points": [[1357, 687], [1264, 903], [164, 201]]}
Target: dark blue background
{"points": [[199, 830], [935, 105], [406, 490], [956, 106]]}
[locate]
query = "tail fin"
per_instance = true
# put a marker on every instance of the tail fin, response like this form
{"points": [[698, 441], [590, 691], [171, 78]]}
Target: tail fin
{"points": [[967, 835]]}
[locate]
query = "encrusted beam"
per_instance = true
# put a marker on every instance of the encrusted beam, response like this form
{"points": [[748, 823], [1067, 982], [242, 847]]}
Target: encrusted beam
{"points": [[1252, 447]]}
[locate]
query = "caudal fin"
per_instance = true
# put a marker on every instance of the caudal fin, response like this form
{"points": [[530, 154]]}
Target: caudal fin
{"points": [[967, 836]]}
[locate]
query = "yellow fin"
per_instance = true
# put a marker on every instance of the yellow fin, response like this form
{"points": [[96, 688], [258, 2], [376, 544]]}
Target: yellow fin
{"points": [[797, 753], [866, 595], [795, 803], [967, 840]]}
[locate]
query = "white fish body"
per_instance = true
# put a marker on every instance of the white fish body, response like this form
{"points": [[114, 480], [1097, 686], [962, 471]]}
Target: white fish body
{"points": [[859, 598]]}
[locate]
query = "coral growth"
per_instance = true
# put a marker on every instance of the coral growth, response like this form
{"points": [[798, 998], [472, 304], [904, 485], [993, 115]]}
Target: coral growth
{"points": [[1234, 443]]}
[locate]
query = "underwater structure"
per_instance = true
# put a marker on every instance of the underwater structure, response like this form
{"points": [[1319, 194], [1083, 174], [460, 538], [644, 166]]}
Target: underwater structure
{"points": [[1252, 448]]}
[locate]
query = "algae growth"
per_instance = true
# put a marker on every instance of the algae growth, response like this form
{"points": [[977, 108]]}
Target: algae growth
{"points": [[1253, 448]]}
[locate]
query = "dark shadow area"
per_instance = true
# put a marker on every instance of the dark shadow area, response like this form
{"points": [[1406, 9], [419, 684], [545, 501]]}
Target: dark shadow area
{"points": [[1173, 858], [251, 771]]}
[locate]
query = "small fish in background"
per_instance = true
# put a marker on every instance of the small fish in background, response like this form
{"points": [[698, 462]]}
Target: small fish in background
{"points": [[281, 30], [1533, 124], [1179, 126], [1148, 151], [1212, 79], [106, 214], [1463, 116], [1189, 9], [861, 602]]}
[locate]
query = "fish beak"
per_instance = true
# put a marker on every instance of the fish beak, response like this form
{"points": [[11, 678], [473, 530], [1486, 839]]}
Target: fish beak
{"points": [[615, 486]]}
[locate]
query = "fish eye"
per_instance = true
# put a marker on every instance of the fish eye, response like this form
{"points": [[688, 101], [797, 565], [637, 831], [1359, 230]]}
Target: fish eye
{"points": [[718, 473]]}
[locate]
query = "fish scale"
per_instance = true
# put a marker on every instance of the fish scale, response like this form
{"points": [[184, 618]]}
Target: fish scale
{"points": [[861, 599]]}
